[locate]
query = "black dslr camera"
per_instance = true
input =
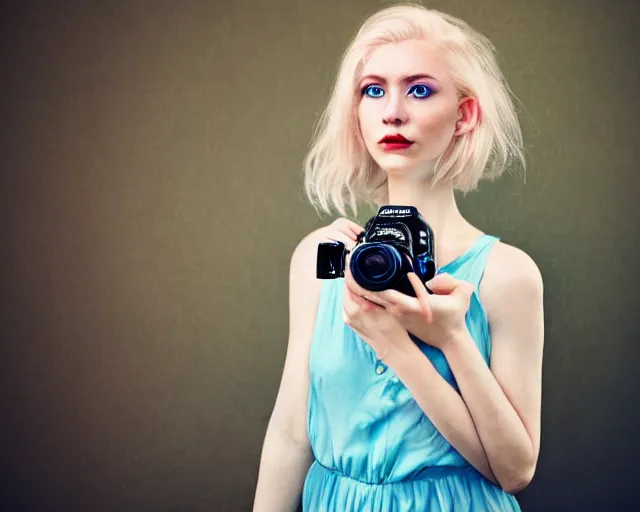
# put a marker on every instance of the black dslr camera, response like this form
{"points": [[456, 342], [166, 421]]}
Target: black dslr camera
{"points": [[397, 240]]}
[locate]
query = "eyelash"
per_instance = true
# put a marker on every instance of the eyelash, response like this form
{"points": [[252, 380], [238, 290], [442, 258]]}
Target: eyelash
{"points": [[367, 87]]}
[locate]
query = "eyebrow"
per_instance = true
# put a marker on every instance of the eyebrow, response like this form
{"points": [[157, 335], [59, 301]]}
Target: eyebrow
{"points": [[405, 79]]}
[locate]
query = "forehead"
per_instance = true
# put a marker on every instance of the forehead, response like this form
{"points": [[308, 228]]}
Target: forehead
{"points": [[396, 60]]}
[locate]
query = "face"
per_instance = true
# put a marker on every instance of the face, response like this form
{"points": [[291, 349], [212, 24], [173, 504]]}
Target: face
{"points": [[406, 89]]}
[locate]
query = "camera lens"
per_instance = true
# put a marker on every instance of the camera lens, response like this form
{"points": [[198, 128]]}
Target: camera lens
{"points": [[376, 266]]}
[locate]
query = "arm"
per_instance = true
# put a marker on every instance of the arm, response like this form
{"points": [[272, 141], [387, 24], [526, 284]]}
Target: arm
{"points": [[505, 400], [441, 403], [286, 453], [380, 328], [506, 438]]}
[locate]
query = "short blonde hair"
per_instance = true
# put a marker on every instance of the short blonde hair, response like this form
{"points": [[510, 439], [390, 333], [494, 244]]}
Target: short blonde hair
{"points": [[339, 171]]}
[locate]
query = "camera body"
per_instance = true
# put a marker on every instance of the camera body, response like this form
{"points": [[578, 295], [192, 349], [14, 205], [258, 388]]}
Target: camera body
{"points": [[395, 241]]}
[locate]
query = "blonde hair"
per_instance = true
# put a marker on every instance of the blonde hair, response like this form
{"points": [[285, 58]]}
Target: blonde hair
{"points": [[338, 170]]}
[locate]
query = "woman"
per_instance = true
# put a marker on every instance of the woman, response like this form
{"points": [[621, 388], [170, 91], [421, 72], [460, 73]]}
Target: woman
{"points": [[369, 417]]}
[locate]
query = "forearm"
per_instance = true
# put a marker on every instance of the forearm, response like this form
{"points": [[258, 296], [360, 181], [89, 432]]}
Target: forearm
{"points": [[503, 434], [442, 404], [283, 467]]}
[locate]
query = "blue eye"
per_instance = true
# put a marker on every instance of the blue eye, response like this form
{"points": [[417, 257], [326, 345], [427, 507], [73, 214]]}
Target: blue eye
{"points": [[373, 91], [421, 90]]}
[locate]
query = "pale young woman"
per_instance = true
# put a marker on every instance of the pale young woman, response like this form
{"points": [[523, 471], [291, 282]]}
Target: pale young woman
{"points": [[388, 402]]}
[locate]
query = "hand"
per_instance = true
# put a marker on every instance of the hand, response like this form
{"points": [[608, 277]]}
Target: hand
{"points": [[341, 230], [436, 319], [373, 323]]}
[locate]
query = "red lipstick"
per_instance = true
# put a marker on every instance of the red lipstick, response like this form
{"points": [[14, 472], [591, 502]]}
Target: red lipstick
{"points": [[394, 141]]}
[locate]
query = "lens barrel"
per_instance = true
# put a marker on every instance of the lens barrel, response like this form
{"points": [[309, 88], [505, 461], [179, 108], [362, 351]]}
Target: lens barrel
{"points": [[376, 266]]}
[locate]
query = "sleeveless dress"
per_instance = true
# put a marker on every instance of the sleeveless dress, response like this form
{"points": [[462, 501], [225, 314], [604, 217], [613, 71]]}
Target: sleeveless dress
{"points": [[375, 449]]}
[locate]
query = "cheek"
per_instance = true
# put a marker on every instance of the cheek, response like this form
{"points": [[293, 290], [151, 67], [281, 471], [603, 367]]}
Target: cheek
{"points": [[365, 120], [438, 125]]}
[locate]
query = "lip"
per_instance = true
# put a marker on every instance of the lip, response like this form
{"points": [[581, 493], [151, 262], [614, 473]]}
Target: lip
{"points": [[396, 146], [395, 138]]}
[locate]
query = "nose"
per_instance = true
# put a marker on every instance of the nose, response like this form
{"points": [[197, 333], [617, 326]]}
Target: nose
{"points": [[394, 111]]}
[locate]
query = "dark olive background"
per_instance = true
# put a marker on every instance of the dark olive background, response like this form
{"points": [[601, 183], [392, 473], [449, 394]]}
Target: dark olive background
{"points": [[151, 199]]}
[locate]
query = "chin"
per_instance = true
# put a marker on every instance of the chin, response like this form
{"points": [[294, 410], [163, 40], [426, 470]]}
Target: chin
{"points": [[405, 163], [407, 170], [396, 163]]}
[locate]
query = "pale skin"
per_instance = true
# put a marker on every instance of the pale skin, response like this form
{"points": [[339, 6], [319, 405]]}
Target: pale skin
{"points": [[494, 422]]}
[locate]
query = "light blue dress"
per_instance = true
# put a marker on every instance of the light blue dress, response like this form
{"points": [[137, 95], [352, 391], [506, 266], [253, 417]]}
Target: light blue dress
{"points": [[375, 449]]}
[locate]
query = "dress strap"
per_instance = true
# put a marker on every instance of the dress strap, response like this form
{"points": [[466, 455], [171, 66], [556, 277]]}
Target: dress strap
{"points": [[478, 261]]}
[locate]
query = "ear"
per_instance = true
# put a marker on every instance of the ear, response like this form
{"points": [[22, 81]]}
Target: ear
{"points": [[468, 115]]}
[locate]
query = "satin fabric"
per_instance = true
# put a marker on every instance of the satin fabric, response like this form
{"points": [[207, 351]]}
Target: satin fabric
{"points": [[375, 448]]}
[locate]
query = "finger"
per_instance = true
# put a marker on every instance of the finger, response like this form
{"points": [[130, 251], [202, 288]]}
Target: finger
{"points": [[362, 302], [338, 236], [422, 295], [356, 290], [368, 305], [442, 284], [362, 293], [379, 298], [358, 294], [445, 284], [352, 227], [398, 300], [464, 289], [374, 298]]}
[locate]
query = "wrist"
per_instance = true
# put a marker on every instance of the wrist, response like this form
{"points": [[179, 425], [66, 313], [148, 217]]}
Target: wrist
{"points": [[397, 348], [456, 339]]}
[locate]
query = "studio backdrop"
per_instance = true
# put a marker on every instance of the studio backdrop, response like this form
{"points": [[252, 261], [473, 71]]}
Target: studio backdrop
{"points": [[152, 197]]}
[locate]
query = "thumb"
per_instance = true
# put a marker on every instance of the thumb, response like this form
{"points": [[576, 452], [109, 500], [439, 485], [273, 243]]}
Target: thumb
{"points": [[446, 284], [442, 284]]}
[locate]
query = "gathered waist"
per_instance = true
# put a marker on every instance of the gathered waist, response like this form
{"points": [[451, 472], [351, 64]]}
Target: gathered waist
{"points": [[426, 473]]}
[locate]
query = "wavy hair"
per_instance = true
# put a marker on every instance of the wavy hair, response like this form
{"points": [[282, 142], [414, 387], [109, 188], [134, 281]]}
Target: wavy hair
{"points": [[339, 171]]}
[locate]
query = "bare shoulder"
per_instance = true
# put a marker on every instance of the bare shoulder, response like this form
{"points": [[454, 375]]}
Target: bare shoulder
{"points": [[511, 278], [304, 286], [289, 411], [303, 259]]}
